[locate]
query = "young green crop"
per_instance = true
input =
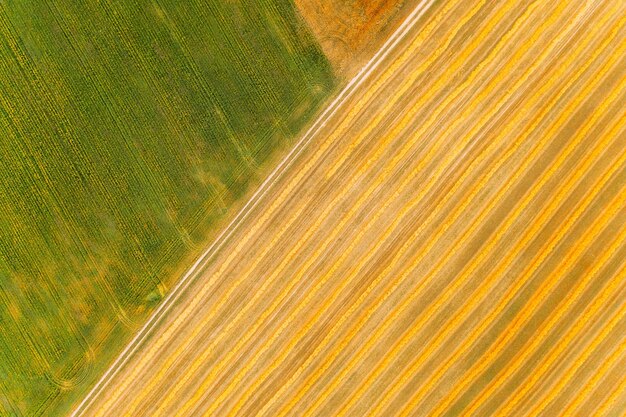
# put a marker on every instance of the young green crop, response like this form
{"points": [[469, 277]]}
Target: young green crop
{"points": [[127, 129]]}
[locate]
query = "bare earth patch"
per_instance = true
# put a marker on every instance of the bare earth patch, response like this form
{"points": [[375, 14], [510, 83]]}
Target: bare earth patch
{"points": [[350, 31]]}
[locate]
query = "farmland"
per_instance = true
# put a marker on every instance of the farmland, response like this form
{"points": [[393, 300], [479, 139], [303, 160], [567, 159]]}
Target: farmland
{"points": [[129, 130], [452, 243]]}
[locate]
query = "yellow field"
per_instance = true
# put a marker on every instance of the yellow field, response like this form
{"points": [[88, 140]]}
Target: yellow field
{"points": [[453, 243]]}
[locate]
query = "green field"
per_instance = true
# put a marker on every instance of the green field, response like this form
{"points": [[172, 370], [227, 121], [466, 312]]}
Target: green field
{"points": [[128, 129]]}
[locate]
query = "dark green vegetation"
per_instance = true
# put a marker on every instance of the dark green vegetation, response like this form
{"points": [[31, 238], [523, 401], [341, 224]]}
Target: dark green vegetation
{"points": [[127, 129]]}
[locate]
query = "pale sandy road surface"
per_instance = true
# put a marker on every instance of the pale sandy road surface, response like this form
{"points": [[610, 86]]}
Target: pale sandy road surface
{"points": [[453, 243]]}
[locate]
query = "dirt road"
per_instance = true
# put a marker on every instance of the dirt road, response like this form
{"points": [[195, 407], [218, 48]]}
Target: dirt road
{"points": [[452, 241]]}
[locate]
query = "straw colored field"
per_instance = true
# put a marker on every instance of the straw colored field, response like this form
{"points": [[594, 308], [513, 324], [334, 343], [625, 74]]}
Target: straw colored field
{"points": [[351, 31], [128, 129], [453, 243]]}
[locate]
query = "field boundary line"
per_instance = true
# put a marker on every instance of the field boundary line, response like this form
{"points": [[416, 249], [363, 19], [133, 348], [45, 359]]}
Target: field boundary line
{"points": [[346, 93]]}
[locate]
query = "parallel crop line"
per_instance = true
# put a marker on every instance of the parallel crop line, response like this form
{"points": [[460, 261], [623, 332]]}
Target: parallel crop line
{"points": [[587, 316], [483, 289], [510, 294], [506, 335], [418, 71], [426, 315], [457, 388], [619, 391], [555, 316], [570, 300], [607, 365]]}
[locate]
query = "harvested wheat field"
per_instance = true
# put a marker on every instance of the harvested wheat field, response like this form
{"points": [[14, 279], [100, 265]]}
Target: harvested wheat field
{"points": [[450, 242]]}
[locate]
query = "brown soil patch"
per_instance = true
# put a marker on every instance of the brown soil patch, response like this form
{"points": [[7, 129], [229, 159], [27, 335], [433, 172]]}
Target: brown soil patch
{"points": [[350, 31]]}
